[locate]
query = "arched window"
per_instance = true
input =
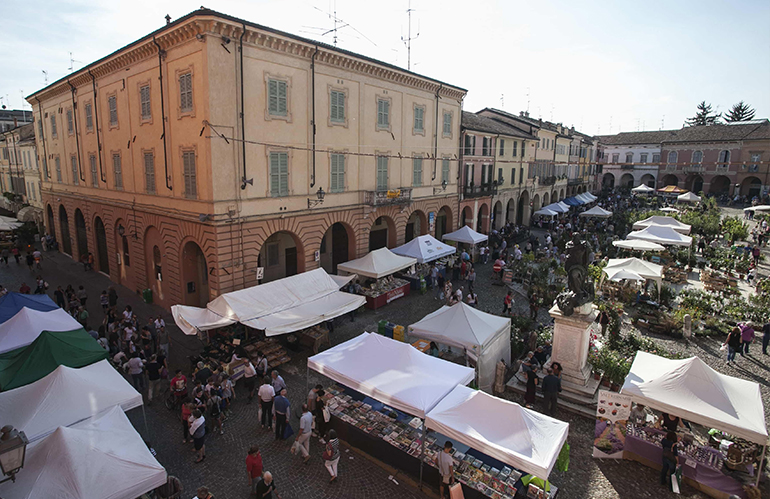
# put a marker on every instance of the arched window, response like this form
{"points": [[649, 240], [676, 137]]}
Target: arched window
{"points": [[697, 157], [724, 156], [672, 157]]}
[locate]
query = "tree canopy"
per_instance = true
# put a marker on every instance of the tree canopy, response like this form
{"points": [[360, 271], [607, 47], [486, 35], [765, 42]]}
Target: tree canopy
{"points": [[704, 116], [740, 112]]}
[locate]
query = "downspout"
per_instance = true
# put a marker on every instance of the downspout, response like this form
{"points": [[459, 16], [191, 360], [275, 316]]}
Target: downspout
{"points": [[312, 105], [244, 180], [435, 138], [41, 127], [161, 53], [77, 137], [96, 126]]}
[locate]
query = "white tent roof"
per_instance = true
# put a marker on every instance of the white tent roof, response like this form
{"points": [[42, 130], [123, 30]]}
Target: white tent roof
{"points": [[278, 307], [564, 205], [584, 198], [556, 207], [378, 263], [504, 430], [638, 244], [425, 249], [596, 211], [591, 196], [668, 209], [663, 222], [624, 275], [342, 280], [694, 391], [688, 197], [644, 268], [461, 326], [24, 327], [661, 235], [643, 189], [392, 372], [465, 235], [103, 458], [546, 212], [65, 397], [761, 207]]}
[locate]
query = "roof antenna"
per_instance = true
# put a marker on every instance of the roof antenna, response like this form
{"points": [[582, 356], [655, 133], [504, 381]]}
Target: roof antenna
{"points": [[662, 121], [527, 101], [502, 101], [72, 63], [45, 76], [408, 40]]}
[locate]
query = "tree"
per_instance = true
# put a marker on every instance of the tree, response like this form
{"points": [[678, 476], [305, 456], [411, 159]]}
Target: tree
{"points": [[704, 116], [740, 112]]}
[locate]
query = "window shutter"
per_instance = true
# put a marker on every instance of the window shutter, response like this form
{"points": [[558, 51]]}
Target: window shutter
{"points": [[445, 170], [282, 98], [274, 175], [284, 172], [272, 93], [341, 106], [149, 172], [333, 110], [75, 175], [190, 181]]}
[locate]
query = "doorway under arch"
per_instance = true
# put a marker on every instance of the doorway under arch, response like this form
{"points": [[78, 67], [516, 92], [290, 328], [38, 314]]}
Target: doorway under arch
{"points": [[627, 181], [510, 212], [281, 256], [51, 222], [81, 234], [64, 225], [195, 276], [467, 217], [720, 185], [416, 225], [498, 215], [522, 211], [337, 246], [482, 219], [648, 180], [670, 180], [536, 202], [155, 263], [694, 184], [443, 222], [608, 181], [102, 253], [382, 234], [751, 187]]}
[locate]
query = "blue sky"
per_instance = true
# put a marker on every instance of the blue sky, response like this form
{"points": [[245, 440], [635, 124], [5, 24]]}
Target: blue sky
{"points": [[601, 66]]}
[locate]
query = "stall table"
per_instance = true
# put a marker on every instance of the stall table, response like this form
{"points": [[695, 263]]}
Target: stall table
{"points": [[375, 302], [314, 337]]}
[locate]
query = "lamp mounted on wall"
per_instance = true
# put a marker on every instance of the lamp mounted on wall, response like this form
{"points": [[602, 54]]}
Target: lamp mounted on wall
{"points": [[320, 194], [436, 190], [13, 450], [121, 230]]}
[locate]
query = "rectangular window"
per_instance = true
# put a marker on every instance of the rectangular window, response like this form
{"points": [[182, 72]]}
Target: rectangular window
{"points": [[144, 100], [629, 157], [485, 143], [277, 97], [490, 172], [190, 175], [272, 255], [75, 176], [113, 107], [279, 174], [616, 158], [338, 173], [45, 166], [53, 125], [185, 93], [116, 168], [515, 143], [499, 176], [502, 147], [149, 172], [89, 117], [656, 158], [513, 176], [94, 173], [70, 125], [447, 124], [40, 128], [483, 174], [419, 119], [382, 173], [416, 172], [643, 158], [445, 170], [57, 163], [383, 113], [337, 107], [521, 175]]}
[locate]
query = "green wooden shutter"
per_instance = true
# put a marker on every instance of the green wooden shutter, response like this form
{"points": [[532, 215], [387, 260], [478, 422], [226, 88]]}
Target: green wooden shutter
{"points": [[282, 98], [272, 93], [274, 175], [284, 173]]}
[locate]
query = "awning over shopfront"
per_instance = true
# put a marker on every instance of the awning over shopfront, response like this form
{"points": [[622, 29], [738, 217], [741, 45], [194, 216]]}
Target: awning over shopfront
{"points": [[378, 263], [425, 248], [24, 327], [393, 372], [504, 430]]}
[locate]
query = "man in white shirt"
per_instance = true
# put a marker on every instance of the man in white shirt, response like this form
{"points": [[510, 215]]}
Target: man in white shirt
{"points": [[135, 369], [445, 466], [250, 379], [516, 253], [305, 429], [278, 382], [159, 323], [266, 396]]}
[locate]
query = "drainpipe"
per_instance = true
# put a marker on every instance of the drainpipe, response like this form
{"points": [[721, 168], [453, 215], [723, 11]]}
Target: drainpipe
{"points": [[435, 138], [244, 180], [77, 138], [41, 127], [161, 53], [312, 118], [96, 126]]}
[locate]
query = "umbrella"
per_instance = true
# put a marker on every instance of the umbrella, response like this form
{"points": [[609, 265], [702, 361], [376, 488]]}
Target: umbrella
{"points": [[624, 274], [638, 245], [674, 210], [761, 207]]}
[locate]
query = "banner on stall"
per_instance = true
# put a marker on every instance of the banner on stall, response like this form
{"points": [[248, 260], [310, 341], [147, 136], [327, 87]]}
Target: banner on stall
{"points": [[612, 412]]}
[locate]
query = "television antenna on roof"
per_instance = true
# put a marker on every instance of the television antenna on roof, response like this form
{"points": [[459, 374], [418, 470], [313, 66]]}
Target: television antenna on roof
{"points": [[338, 24], [72, 63], [408, 40]]}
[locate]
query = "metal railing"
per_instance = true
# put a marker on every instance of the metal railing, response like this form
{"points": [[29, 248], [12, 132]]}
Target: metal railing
{"points": [[389, 197]]}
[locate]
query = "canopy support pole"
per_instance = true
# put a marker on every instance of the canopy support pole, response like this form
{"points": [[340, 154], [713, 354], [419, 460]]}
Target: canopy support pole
{"points": [[307, 379], [761, 464], [146, 428], [422, 451]]}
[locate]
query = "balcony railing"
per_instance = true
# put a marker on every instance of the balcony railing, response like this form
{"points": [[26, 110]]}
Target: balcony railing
{"points": [[548, 180], [693, 168], [627, 166], [391, 197], [477, 191], [575, 181], [671, 168]]}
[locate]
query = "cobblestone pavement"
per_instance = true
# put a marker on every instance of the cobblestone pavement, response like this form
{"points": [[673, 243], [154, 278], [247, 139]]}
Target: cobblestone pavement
{"points": [[223, 471]]}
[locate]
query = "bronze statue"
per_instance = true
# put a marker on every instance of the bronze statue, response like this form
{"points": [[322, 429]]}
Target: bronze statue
{"points": [[580, 288]]}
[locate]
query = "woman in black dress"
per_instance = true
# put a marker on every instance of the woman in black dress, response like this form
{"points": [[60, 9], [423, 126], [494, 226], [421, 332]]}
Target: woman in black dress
{"points": [[529, 396]]}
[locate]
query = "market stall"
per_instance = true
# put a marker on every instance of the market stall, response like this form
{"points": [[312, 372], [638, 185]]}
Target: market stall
{"points": [[688, 197], [690, 389], [465, 235], [597, 211], [545, 212], [638, 245], [486, 338], [642, 189], [101, 458], [657, 220], [65, 397], [428, 251], [616, 267], [661, 235], [558, 207], [24, 327], [379, 266], [11, 303]]}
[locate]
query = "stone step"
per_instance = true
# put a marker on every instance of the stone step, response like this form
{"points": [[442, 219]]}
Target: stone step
{"points": [[565, 403]]}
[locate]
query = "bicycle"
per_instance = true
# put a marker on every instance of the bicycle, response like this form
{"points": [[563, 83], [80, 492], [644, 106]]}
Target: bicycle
{"points": [[174, 398]]}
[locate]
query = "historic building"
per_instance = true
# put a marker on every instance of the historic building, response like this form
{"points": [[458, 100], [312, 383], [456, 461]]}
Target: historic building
{"points": [[20, 175], [630, 158], [215, 153]]}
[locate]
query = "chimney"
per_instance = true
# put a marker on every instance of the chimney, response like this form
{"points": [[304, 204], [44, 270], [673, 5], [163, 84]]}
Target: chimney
{"points": [[168, 19]]}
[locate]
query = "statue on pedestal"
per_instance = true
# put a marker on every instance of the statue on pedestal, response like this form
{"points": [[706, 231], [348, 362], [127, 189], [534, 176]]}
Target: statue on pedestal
{"points": [[580, 288]]}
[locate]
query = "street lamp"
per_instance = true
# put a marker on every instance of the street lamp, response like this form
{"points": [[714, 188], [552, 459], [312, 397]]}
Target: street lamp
{"points": [[314, 202], [13, 450], [436, 190], [121, 230]]}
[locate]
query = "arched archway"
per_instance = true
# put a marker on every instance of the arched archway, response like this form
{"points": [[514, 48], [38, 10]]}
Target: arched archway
{"points": [[751, 187], [536, 202], [510, 213], [648, 180], [123, 250], [416, 225], [81, 234], [443, 222], [64, 225], [554, 197], [102, 253], [195, 275], [608, 181], [546, 198], [466, 217], [337, 246], [626, 181], [523, 210], [155, 263], [482, 220], [51, 221], [498, 215], [670, 180], [382, 234], [720, 185], [281, 255], [694, 183], [561, 194]]}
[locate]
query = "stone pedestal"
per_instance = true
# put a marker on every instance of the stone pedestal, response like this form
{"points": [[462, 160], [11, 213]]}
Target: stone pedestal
{"points": [[570, 344]]}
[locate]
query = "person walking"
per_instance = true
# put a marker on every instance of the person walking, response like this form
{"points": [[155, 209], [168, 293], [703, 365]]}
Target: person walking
{"points": [[266, 396], [112, 296], [604, 320], [185, 414], [303, 437], [249, 379], [508, 303], [320, 419], [136, 370], [266, 487], [30, 262], [529, 395], [312, 396], [747, 336], [261, 366], [254, 467], [765, 337], [551, 389], [733, 343], [203, 493], [281, 411], [4, 254], [471, 278], [172, 489], [670, 452], [163, 340], [445, 465], [153, 376], [198, 433], [331, 455], [277, 382]]}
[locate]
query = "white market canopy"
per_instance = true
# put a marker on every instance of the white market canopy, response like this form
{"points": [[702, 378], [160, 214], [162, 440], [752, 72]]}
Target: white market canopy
{"points": [[504, 430], [634, 269], [590, 196], [425, 249], [761, 207], [661, 235], [465, 235], [9, 223], [395, 373], [694, 391], [378, 263], [583, 197], [277, 307], [24, 327], [639, 245], [688, 197], [668, 209], [663, 222], [485, 337], [103, 458], [596, 211], [65, 397], [642, 189], [624, 275], [545, 212], [558, 208]]}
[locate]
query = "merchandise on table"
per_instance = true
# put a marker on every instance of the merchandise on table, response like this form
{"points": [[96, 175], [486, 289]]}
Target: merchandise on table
{"points": [[707, 456], [275, 353], [382, 286]]}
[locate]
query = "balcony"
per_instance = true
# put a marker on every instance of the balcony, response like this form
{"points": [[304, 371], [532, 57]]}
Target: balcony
{"points": [[575, 181], [671, 168], [627, 166], [387, 198], [724, 169], [547, 180], [695, 168], [478, 191]]}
